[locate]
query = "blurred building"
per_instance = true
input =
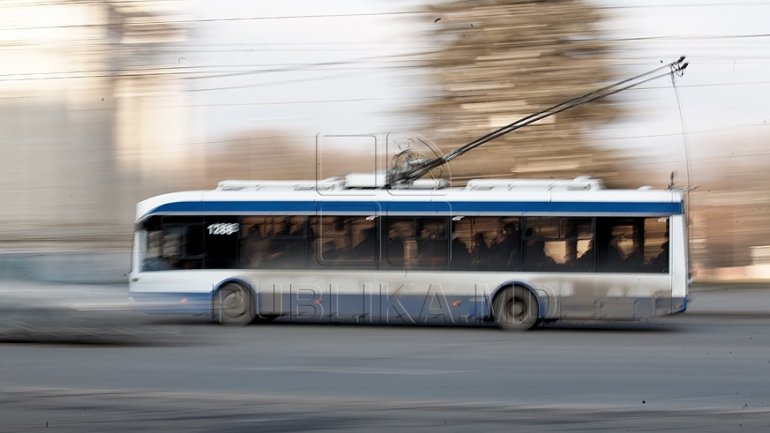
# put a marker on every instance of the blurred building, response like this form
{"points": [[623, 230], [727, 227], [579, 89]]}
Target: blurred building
{"points": [[89, 112]]}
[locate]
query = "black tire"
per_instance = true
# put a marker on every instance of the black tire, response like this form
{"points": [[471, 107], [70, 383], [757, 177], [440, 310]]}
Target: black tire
{"points": [[266, 318], [515, 309], [233, 305]]}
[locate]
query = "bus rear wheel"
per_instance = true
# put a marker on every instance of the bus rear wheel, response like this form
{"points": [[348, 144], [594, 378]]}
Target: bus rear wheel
{"points": [[515, 309], [233, 305]]}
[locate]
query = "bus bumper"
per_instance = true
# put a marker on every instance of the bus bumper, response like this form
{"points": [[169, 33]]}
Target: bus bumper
{"points": [[679, 305]]}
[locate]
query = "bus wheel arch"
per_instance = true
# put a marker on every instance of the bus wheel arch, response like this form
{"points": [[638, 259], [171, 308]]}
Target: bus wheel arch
{"points": [[234, 303], [515, 307]]}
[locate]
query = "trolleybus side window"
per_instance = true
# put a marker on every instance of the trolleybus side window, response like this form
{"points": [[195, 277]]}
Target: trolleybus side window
{"points": [[485, 243], [631, 245], [347, 242], [415, 242], [656, 247], [561, 244], [582, 244], [277, 242]]}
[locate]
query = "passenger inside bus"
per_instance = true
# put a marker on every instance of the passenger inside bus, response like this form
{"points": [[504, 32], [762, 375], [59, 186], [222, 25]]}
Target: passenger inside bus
{"points": [[429, 246], [460, 257], [277, 246], [432, 246], [297, 253], [330, 252], [586, 260], [660, 262], [534, 252], [365, 249], [505, 253], [615, 254], [395, 247], [254, 246], [481, 252]]}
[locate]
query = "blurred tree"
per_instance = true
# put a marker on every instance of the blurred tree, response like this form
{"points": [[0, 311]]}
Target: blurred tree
{"points": [[259, 154], [503, 59]]}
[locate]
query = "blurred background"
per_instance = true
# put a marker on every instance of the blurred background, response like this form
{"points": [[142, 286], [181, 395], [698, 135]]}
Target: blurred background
{"points": [[105, 103]]}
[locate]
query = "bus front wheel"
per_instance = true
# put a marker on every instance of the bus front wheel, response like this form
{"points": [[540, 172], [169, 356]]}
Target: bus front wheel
{"points": [[233, 305], [515, 309]]}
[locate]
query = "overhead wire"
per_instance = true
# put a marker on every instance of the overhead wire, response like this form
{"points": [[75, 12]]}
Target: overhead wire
{"points": [[423, 168]]}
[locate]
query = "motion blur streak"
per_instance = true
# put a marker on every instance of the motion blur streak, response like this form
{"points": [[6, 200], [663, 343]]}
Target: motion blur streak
{"points": [[40, 312]]}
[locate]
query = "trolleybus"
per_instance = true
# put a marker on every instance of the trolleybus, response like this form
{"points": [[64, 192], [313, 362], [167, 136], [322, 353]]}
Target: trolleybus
{"points": [[508, 252]]}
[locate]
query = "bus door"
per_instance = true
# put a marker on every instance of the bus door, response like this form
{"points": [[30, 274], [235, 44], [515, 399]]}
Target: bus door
{"points": [[397, 304], [343, 276], [416, 251]]}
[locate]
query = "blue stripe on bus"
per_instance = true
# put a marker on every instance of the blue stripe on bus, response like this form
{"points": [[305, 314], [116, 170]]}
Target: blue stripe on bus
{"points": [[457, 208]]}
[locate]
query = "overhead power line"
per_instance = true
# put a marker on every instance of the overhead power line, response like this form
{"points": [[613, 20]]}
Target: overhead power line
{"points": [[686, 5], [214, 20]]}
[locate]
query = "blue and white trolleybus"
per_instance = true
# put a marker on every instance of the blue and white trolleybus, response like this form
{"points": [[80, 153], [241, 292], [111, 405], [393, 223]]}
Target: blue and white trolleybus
{"points": [[509, 252]]}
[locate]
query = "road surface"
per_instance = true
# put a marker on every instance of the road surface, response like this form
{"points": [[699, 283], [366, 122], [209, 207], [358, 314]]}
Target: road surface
{"points": [[706, 372]]}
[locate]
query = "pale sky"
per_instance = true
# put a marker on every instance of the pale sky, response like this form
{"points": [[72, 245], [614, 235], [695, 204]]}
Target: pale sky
{"points": [[304, 65], [340, 66], [725, 89]]}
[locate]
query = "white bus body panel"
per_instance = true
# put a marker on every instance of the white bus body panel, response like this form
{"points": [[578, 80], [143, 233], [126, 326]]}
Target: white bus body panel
{"points": [[413, 297]]}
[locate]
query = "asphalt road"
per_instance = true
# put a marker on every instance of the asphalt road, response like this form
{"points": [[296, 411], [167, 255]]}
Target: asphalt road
{"points": [[706, 372]]}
